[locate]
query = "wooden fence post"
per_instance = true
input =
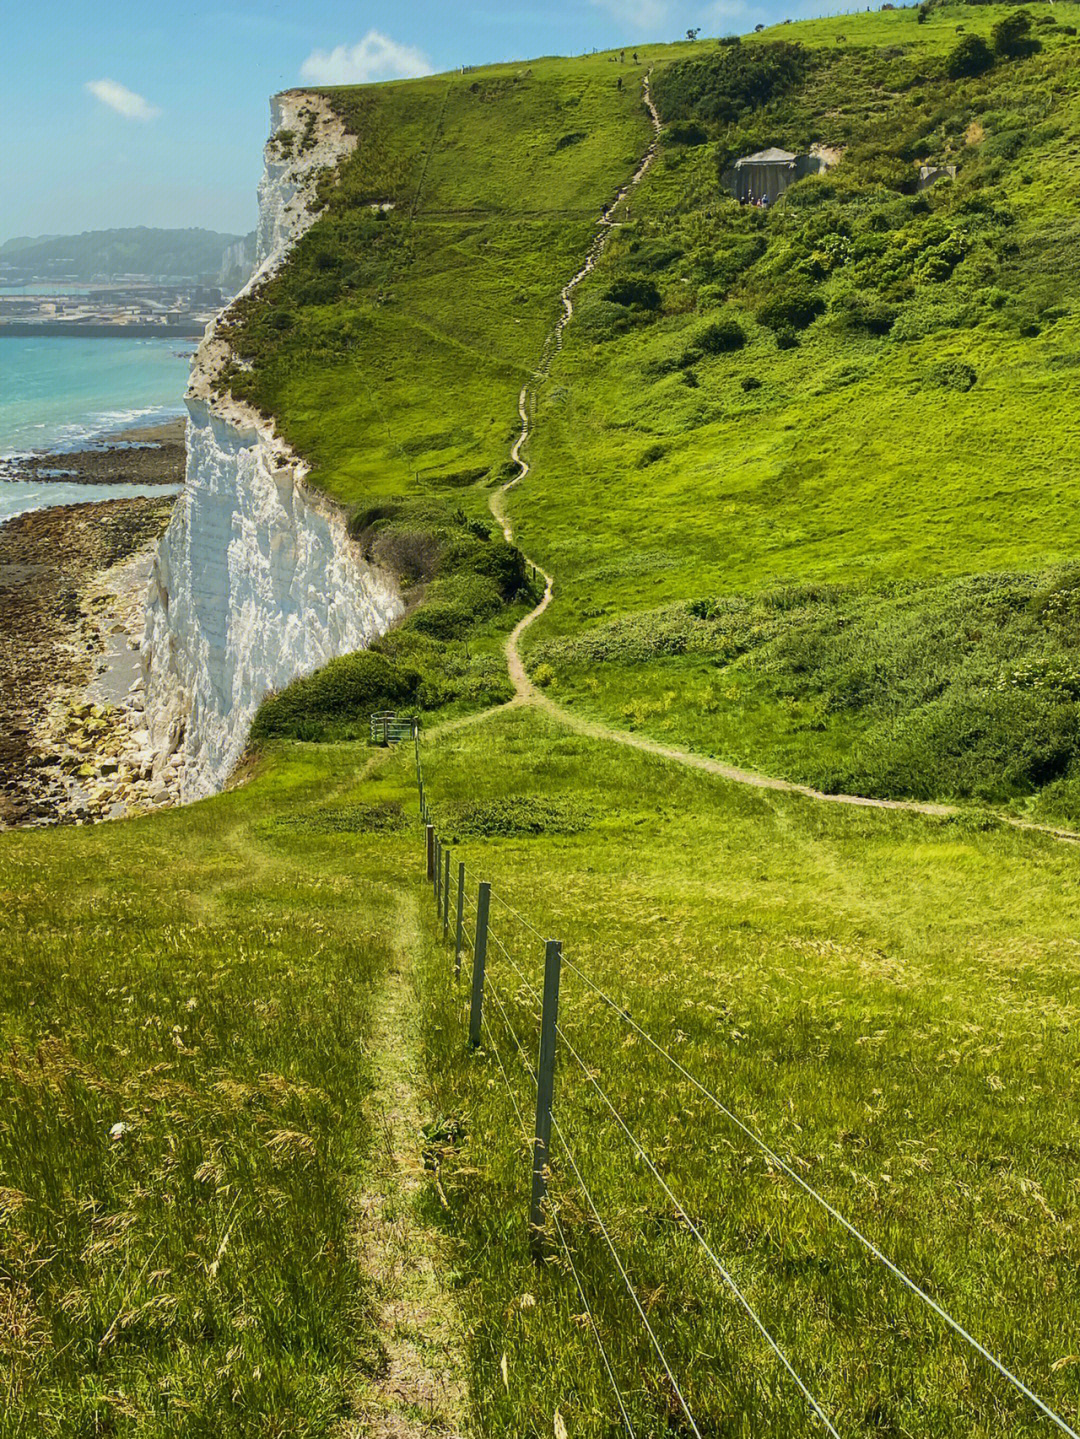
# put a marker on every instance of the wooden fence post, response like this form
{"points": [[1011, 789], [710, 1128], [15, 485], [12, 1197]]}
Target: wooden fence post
{"points": [[459, 930], [446, 896], [430, 832], [476, 1009], [545, 1084], [438, 872]]}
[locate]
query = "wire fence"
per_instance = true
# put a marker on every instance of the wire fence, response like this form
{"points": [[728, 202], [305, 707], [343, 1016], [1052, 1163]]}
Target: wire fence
{"points": [[500, 979]]}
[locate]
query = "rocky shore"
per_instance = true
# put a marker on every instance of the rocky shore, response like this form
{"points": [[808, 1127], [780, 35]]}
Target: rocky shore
{"points": [[153, 455], [73, 583]]}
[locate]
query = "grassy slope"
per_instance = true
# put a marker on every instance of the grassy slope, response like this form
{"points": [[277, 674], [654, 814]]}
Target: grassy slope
{"points": [[922, 1073], [392, 350], [393, 346], [852, 462], [201, 980], [891, 999], [434, 316]]}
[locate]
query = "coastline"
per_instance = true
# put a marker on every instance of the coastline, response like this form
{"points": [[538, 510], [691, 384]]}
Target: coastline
{"points": [[153, 454], [73, 584]]}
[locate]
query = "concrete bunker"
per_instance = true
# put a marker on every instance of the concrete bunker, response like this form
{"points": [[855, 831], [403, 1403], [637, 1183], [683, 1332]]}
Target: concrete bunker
{"points": [[761, 179], [929, 175]]}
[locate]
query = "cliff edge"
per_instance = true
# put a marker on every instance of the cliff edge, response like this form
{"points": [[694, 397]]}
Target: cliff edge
{"points": [[256, 581]]}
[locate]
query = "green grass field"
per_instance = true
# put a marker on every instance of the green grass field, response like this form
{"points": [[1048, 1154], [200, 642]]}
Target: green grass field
{"points": [[919, 432], [889, 1001], [184, 1006], [844, 553]]}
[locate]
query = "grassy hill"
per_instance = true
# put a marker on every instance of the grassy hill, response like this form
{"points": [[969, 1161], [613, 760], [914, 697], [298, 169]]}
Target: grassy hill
{"points": [[174, 254], [868, 500], [883, 442], [807, 483]]}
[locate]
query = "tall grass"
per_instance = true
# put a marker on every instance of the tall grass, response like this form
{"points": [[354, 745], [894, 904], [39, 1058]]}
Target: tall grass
{"points": [[183, 1079], [889, 1001]]}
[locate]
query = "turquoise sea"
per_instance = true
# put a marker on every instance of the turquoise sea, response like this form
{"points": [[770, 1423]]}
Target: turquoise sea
{"points": [[60, 393]]}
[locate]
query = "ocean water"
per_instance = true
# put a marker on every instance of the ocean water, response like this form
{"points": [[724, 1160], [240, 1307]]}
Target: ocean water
{"points": [[19, 496], [59, 392]]}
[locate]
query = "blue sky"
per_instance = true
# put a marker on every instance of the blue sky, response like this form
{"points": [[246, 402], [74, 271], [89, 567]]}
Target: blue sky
{"points": [[122, 113]]}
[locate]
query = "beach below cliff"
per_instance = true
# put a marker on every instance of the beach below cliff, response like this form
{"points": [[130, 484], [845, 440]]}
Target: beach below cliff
{"points": [[147, 455], [73, 581]]}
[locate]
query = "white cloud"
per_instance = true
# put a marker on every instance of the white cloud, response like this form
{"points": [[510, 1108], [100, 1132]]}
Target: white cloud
{"points": [[648, 15], [124, 101], [377, 57]]}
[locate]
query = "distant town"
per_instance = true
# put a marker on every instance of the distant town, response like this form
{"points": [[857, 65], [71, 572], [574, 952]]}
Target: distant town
{"points": [[118, 305], [173, 282]]}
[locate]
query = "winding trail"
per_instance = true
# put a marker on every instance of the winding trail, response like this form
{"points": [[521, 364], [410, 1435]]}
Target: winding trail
{"points": [[417, 1390], [527, 693]]}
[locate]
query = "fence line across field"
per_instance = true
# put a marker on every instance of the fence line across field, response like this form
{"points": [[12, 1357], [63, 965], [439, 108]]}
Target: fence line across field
{"points": [[542, 1079], [454, 894], [725, 1275], [533, 1075], [494, 1048], [554, 1211]]}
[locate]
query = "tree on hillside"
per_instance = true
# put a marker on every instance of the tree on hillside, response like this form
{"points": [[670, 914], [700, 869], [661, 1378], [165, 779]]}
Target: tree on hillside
{"points": [[731, 83], [1012, 36], [972, 56]]}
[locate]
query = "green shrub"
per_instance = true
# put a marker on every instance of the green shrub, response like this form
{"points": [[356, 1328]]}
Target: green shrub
{"points": [[600, 320], [888, 172], [1006, 145], [966, 687], [516, 818], [953, 375], [504, 564], [861, 313], [990, 746], [385, 818], [791, 310], [722, 337], [347, 689], [937, 262], [731, 83], [971, 57], [927, 317], [654, 255], [810, 193], [1012, 38], [637, 290], [454, 605], [685, 132], [404, 670]]}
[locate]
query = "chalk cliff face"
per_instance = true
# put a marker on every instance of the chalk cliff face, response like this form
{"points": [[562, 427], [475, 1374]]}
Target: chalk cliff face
{"points": [[256, 580]]}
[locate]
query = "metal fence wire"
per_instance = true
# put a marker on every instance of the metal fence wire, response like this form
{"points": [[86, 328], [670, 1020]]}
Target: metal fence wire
{"points": [[463, 905]]}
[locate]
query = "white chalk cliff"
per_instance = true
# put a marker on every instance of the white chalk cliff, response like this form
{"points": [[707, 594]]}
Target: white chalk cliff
{"points": [[256, 580]]}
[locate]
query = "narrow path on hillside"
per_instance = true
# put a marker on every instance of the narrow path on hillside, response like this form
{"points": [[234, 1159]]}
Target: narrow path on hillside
{"points": [[419, 1392], [526, 693]]}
